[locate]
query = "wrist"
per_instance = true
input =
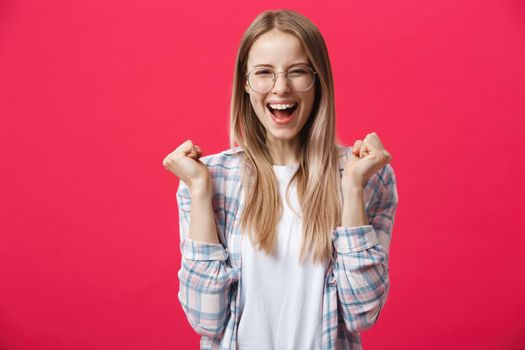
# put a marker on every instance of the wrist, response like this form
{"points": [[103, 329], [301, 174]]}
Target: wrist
{"points": [[203, 190], [353, 212], [352, 181], [353, 190]]}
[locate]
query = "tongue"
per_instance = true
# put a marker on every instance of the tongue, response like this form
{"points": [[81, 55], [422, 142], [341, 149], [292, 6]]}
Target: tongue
{"points": [[282, 113]]}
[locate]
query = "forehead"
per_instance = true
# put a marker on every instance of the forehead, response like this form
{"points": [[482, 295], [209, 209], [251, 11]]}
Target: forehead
{"points": [[278, 49]]}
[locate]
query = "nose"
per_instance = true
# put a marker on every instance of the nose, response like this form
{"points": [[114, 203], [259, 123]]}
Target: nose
{"points": [[281, 85]]}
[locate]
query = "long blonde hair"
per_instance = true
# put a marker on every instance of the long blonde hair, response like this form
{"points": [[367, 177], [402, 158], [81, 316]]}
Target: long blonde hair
{"points": [[317, 177]]}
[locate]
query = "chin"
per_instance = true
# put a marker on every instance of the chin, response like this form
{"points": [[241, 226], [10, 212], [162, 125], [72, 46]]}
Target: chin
{"points": [[283, 136]]}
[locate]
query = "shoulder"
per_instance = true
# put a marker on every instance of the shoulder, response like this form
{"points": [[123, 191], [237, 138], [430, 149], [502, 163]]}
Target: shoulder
{"points": [[228, 159], [224, 167], [227, 164]]}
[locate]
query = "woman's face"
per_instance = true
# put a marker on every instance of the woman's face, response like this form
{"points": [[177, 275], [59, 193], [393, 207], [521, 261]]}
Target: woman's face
{"points": [[279, 52]]}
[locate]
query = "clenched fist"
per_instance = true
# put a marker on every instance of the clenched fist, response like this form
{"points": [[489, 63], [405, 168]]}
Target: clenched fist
{"points": [[368, 156], [184, 163]]}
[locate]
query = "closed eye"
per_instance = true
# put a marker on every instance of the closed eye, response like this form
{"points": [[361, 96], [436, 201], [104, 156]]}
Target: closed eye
{"points": [[263, 72]]}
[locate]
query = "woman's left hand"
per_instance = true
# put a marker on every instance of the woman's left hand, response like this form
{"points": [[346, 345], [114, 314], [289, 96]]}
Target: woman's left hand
{"points": [[368, 156]]}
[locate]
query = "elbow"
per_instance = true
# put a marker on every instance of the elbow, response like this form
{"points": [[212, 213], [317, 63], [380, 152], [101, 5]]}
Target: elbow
{"points": [[370, 318], [208, 320], [204, 326], [363, 321], [204, 295], [211, 331], [366, 314]]}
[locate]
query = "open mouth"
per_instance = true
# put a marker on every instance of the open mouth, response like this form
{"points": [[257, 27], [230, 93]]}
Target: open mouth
{"points": [[282, 111]]}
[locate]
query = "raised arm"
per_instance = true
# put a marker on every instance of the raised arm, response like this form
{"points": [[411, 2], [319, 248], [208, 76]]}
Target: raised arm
{"points": [[361, 262], [205, 277]]}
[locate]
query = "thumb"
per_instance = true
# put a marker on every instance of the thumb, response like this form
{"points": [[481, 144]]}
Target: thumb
{"points": [[352, 159], [186, 147]]}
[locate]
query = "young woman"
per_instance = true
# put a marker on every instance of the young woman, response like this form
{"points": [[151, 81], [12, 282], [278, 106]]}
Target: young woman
{"points": [[284, 237]]}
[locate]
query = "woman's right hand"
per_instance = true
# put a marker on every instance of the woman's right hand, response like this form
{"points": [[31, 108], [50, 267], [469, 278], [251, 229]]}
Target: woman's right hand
{"points": [[184, 163]]}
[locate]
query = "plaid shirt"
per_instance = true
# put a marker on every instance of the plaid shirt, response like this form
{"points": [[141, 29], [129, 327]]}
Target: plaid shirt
{"points": [[356, 282]]}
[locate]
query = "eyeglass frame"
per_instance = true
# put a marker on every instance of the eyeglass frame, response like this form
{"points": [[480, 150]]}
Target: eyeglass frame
{"points": [[275, 78]]}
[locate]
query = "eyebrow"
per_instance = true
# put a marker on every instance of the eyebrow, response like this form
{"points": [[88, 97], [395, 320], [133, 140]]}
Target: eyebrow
{"points": [[291, 65]]}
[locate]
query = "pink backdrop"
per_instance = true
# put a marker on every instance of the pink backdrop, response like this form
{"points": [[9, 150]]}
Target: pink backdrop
{"points": [[94, 94]]}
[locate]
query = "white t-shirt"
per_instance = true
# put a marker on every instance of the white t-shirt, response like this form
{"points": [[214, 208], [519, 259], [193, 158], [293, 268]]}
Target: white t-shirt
{"points": [[281, 300]]}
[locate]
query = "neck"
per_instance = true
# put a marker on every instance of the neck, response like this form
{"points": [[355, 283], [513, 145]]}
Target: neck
{"points": [[283, 152]]}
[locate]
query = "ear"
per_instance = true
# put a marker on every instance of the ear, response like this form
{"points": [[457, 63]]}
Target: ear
{"points": [[246, 87]]}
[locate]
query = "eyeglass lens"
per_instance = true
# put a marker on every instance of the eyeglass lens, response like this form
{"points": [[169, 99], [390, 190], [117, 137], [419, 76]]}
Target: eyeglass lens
{"points": [[263, 79]]}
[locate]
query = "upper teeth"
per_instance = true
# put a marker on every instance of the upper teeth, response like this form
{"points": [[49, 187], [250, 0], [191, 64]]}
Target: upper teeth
{"points": [[282, 106]]}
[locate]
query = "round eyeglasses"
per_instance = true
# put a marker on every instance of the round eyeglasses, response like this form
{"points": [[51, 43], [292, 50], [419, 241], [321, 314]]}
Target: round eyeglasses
{"points": [[262, 80]]}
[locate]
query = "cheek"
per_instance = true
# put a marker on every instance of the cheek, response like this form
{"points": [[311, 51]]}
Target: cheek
{"points": [[257, 104], [309, 103], [258, 108], [253, 103]]}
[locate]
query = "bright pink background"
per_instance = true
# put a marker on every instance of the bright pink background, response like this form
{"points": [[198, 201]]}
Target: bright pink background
{"points": [[94, 94]]}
